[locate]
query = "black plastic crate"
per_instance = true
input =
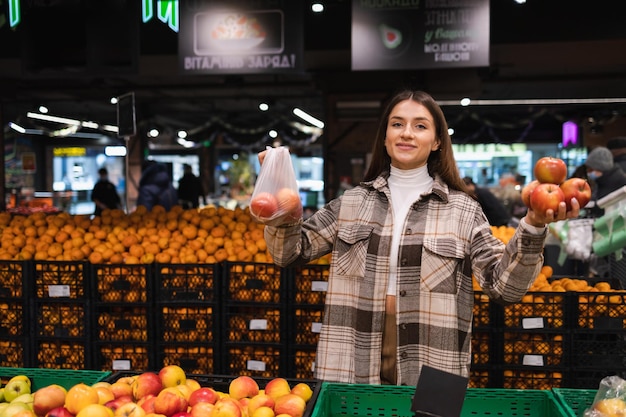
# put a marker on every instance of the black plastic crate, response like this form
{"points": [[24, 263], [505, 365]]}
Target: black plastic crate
{"points": [[187, 283], [12, 280], [480, 377], [192, 357], [310, 283], [254, 360], [599, 349], [14, 353], [590, 378], [13, 318], [189, 323], [482, 348], [526, 378], [601, 311], [60, 280], [62, 319], [538, 310], [119, 356], [254, 283], [482, 311], [123, 323], [307, 323], [535, 349], [258, 323], [115, 283], [302, 362], [63, 354]]}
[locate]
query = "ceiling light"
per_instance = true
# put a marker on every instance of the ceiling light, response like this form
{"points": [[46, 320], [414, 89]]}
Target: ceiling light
{"points": [[111, 128], [273, 133], [90, 125], [52, 118], [182, 134], [317, 7], [115, 150], [308, 118], [113, 100], [43, 109], [450, 131], [465, 101], [153, 133], [17, 127], [264, 107]]}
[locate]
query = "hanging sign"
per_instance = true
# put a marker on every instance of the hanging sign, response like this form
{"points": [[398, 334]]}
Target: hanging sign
{"points": [[419, 34], [240, 37]]}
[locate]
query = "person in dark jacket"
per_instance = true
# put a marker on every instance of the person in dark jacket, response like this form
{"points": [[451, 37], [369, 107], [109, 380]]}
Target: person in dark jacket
{"points": [[495, 211], [190, 190], [104, 194], [606, 175], [617, 146], [155, 187]]}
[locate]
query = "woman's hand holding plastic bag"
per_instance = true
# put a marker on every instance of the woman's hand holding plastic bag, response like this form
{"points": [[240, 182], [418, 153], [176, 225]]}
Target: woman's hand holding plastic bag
{"points": [[275, 200]]}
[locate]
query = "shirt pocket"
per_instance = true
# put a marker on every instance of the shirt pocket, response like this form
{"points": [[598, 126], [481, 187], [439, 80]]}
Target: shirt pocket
{"points": [[351, 249], [442, 266]]}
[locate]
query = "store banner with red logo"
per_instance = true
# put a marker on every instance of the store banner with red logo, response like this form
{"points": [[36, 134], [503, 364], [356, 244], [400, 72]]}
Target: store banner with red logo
{"points": [[419, 34], [229, 37]]}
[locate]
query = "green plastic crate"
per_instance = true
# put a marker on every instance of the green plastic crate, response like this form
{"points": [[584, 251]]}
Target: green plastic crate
{"points": [[40, 378], [361, 400], [575, 401]]}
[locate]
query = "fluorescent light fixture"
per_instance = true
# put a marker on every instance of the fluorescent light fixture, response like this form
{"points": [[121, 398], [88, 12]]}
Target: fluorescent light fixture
{"points": [[115, 150], [90, 125], [317, 7], [17, 127], [308, 118], [55, 119], [110, 128]]}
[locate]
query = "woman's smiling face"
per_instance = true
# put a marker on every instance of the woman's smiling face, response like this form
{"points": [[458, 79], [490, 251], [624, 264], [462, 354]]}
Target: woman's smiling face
{"points": [[411, 135]]}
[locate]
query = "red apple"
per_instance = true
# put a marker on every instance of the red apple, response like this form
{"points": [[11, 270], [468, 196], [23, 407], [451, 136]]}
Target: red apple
{"points": [[243, 386], [122, 388], [277, 387], [202, 409], [227, 407], [263, 205], [550, 170], [291, 404], [59, 412], [172, 375], [48, 398], [289, 201], [170, 401], [181, 414], [204, 394], [527, 191], [147, 403], [260, 400], [146, 383], [577, 188], [118, 402], [545, 197]]}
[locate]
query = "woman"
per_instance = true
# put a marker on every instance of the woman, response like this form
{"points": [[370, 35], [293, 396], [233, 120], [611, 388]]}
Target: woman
{"points": [[405, 243]]}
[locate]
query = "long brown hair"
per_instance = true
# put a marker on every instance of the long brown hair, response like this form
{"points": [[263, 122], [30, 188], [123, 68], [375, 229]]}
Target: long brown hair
{"points": [[440, 162]]}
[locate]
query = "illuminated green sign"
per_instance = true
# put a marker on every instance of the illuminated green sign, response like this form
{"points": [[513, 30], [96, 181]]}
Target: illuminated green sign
{"points": [[167, 12]]}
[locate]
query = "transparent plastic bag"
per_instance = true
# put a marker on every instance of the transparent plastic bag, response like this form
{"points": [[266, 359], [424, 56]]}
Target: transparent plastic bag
{"points": [[275, 200], [610, 400]]}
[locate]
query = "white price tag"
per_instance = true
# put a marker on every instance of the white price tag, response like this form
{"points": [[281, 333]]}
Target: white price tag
{"points": [[313, 366], [256, 366], [258, 324], [121, 365], [533, 360], [58, 290], [532, 323], [319, 286], [316, 327]]}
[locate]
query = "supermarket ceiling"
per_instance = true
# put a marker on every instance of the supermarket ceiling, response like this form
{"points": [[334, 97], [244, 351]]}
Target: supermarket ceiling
{"points": [[542, 50]]}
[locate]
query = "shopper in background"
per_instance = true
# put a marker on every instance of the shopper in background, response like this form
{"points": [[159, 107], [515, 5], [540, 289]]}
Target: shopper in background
{"points": [[606, 175], [155, 187], [104, 195], [190, 190], [405, 243], [617, 146], [496, 213]]}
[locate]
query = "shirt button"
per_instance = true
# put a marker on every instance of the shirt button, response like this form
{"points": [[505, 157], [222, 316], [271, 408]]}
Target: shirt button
{"points": [[402, 293], [404, 355], [525, 241], [408, 231]]}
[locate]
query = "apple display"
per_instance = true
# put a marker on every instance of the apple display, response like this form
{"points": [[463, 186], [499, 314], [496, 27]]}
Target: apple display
{"points": [[79, 396], [16, 387], [550, 170], [203, 394], [169, 401], [577, 188], [277, 387], [545, 197], [243, 386], [172, 375], [291, 404], [146, 383], [263, 205]]}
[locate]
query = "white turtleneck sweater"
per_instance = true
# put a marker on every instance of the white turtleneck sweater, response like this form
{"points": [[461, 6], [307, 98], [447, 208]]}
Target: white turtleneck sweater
{"points": [[406, 187]]}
